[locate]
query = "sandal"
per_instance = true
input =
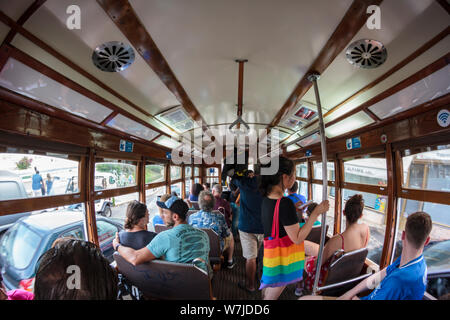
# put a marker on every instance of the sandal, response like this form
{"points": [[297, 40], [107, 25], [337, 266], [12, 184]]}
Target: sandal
{"points": [[242, 286]]}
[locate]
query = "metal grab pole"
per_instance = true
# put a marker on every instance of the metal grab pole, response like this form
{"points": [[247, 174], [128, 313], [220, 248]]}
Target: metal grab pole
{"points": [[313, 78]]}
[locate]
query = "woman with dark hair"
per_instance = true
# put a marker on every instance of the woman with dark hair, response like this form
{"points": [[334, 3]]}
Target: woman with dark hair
{"points": [[355, 236], [135, 234], [285, 243], [74, 270], [196, 188]]}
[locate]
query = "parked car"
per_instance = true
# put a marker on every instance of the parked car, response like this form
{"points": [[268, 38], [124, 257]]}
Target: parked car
{"points": [[23, 244], [11, 187]]}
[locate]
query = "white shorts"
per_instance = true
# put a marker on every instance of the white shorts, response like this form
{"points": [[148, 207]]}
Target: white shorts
{"points": [[250, 243]]}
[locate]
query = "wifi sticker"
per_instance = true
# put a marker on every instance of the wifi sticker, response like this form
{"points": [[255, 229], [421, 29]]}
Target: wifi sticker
{"points": [[443, 118]]}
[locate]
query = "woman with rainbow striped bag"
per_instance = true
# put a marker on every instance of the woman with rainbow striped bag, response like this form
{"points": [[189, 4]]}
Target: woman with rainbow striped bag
{"points": [[284, 240]]}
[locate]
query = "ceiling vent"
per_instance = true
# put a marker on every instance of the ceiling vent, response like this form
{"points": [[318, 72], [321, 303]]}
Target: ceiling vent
{"points": [[113, 56], [366, 54]]}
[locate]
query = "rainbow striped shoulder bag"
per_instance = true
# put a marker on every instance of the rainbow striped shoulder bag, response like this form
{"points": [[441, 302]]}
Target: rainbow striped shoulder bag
{"points": [[283, 260]]}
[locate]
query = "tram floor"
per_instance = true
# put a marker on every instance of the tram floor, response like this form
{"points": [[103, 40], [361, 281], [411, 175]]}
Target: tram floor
{"points": [[225, 282]]}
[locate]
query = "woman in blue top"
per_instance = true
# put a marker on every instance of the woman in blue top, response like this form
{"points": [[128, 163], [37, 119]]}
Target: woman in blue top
{"points": [[195, 191]]}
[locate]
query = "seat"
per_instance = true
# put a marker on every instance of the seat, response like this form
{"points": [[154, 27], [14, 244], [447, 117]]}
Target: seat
{"points": [[189, 213], [165, 280], [344, 272], [314, 235], [215, 254], [195, 205], [161, 227]]}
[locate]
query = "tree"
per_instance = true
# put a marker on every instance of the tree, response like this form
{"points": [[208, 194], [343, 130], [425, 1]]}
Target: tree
{"points": [[24, 163]]}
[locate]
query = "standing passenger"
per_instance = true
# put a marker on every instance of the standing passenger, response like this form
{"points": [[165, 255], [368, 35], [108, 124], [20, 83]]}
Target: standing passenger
{"points": [[49, 184], [251, 231], [285, 245]]}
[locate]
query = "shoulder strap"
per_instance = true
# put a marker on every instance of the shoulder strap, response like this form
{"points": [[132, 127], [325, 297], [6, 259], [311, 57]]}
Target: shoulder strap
{"points": [[276, 220]]}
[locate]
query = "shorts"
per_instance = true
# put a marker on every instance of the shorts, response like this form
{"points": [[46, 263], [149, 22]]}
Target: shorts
{"points": [[250, 243]]}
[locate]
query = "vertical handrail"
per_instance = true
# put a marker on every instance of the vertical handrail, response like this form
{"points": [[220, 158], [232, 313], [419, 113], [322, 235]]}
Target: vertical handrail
{"points": [[313, 78]]}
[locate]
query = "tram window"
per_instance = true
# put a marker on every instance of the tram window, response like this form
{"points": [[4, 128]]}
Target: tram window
{"points": [[187, 172], [302, 170], [197, 180], [317, 197], [212, 181], [374, 215], [370, 171], [175, 173], [303, 188], [187, 188], [212, 172], [151, 196], [30, 175], [154, 173], [106, 234], [427, 170], [112, 174], [176, 188], [196, 171], [318, 171]]}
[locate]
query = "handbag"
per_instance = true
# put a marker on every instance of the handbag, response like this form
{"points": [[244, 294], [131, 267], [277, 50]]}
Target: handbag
{"points": [[283, 260]]}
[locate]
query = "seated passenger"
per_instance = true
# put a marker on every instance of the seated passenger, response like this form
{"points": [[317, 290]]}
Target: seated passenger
{"points": [[205, 218], [135, 234], [17, 294], [195, 191], [221, 204], [74, 270], [157, 219], [355, 236], [406, 277], [309, 211], [206, 186], [182, 243]]}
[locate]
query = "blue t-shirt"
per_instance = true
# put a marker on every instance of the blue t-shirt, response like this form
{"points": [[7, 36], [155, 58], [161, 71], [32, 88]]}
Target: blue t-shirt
{"points": [[183, 244], [36, 181], [316, 223], [408, 282], [250, 205], [193, 198], [157, 220], [295, 197], [211, 220]]}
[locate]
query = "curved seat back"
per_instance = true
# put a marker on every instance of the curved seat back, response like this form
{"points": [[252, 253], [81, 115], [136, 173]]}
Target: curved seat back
{"points": [[214, 244], [189, 213], [344, 271], [161, 227], [195, 205], [314, 235], [165, 280]]}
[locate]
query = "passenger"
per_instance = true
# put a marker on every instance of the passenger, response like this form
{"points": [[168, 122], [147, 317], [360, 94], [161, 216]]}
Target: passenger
{"points": [[296, 198], [251, 231], [309, 210], [17, 294], [234, 203], [205, 218], [195, 191], [37, 184], [355, 236], [135, 234], [182, 243], [74, 270], [157, 219], [283, 260], [221, 203], [405, 279], [206, 186]]}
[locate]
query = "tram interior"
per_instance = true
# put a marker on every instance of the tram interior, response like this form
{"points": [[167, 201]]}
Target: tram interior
{"points": [[101, 96]]}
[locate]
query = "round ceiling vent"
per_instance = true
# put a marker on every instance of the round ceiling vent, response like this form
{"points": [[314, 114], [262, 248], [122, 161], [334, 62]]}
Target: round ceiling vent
{"points": [[113, 56], [366, 54]]}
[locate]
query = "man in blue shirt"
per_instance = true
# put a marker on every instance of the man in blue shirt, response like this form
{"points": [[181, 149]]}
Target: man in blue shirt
{"points": [[206, 218], [182, 243], [251, 231], [37, 184], [157, 219], [406, 278]]}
